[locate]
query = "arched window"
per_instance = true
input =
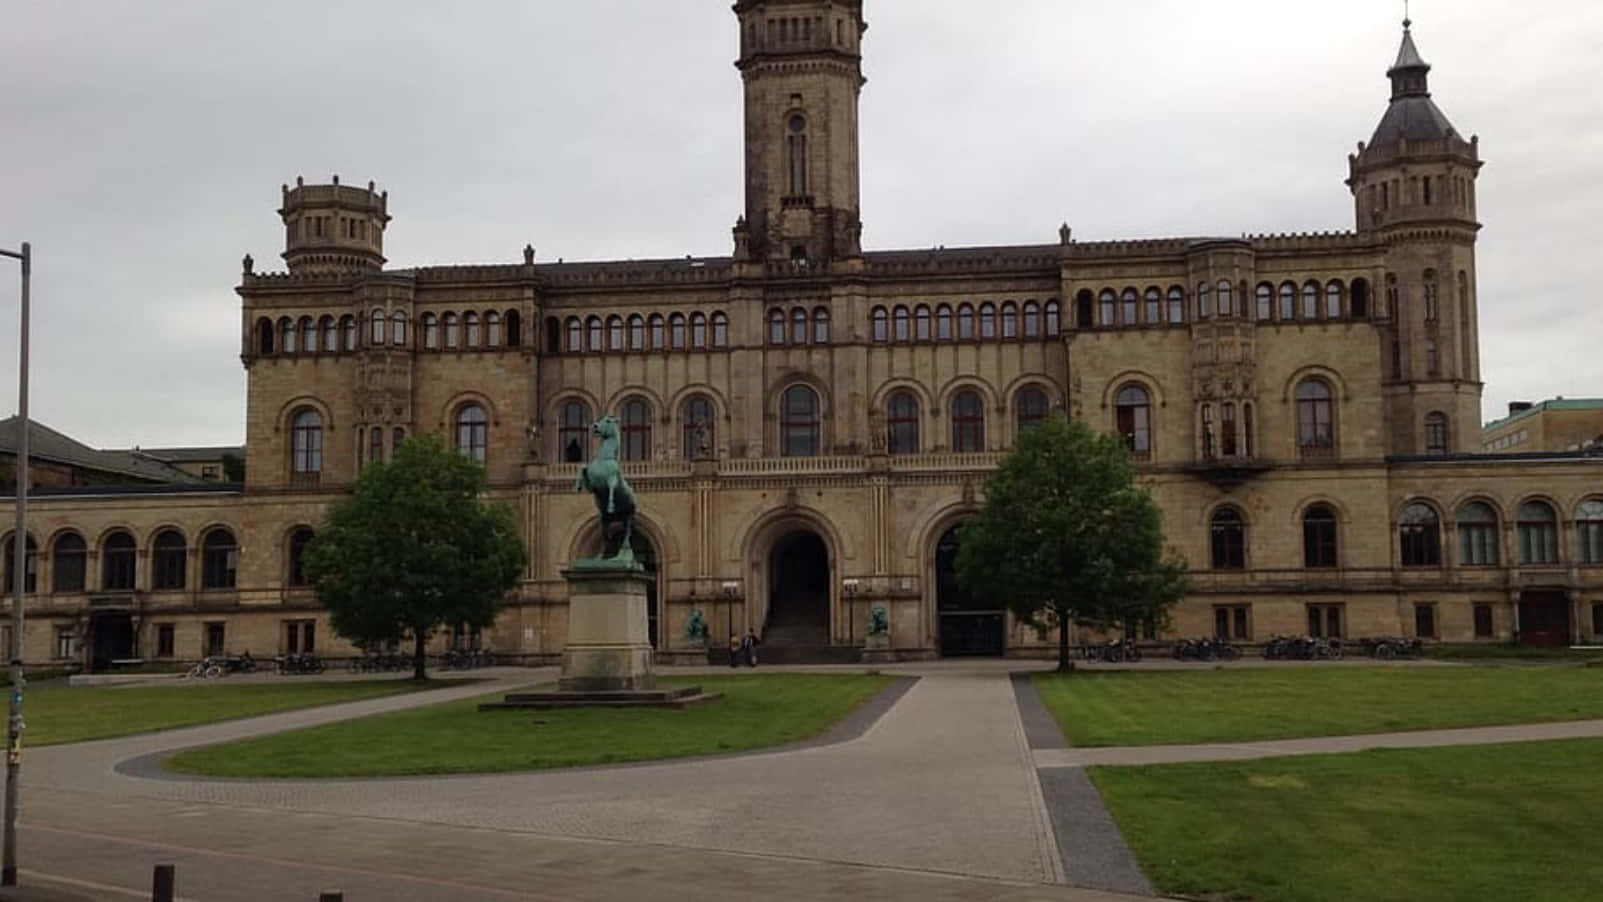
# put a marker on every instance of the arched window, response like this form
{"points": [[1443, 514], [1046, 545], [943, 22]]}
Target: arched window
{"points": [[431, 331], [700, 438], [472, 431], [169, 559], [514, 324], [659, 332], [1266, 301], [676, 331], [219, 559], [1247, 427], [377, 321], [575, 331], [1153, 314], [1360, 304], [615, 340], [1030, 408], [398, 327], [348, 331], [264, 336], [1432, 292], [796, 155], [821, 326], [117, 554], [375, 444], [1310, 300], [1228, 533], [331, 334], [1204, 300], [943, 323], [799, 416], [1333, 300], [1105, 308], [492, 329], [286, 335], [965, 323], [880, 324], [1032, 320], [776, 326], [1394, 301], [1009, 320], [901, 324], [720, 329], [573, 431], [30, 567], [1538, 533], [1177, 304], [1227, 429], [1420, 532], [1589, 531], [901, 423], [1288, 301], [1316, 434], [296, 570], [698, 330], [1319, 537], [1132, 414], [595, 334], [921, 323], [1227, 304], [1436, 432], [306, 446], [636, 423], [69, 564], [453, 332], [1477, 535], [968, 422], [1128, 304], [798, 326]]}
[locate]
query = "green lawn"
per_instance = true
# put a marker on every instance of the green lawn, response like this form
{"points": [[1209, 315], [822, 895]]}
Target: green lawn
{"points": [[455, 737], [1233, 705], [57, 715], [1522, 821]]}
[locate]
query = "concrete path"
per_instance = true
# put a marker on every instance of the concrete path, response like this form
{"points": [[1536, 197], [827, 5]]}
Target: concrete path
{"points": [[943, 784], [1322, 745]]}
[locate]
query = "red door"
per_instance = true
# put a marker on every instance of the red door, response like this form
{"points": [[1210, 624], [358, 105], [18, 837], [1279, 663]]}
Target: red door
{"points": [[1544, 619]]}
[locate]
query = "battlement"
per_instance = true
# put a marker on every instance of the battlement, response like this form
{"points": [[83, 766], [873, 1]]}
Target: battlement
{"points": [[1131, 247], [941, 260], [1404, 150], [1339, 240]]}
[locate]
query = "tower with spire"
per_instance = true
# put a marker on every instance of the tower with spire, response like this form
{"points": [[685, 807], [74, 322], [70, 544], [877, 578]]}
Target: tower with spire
{"points": [[1413, 187]]}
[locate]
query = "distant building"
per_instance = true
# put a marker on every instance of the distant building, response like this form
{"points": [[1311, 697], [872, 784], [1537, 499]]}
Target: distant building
{"points": [[58, 461], [1561, 424], [210, 464]]}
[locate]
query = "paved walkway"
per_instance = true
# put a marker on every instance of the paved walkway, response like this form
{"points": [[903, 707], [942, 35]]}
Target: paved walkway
{"points": [[1321, 745], [939, 797]]}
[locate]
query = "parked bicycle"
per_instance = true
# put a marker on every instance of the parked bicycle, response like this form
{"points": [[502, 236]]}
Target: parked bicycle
{"points": [[1113, 651], [297, 664], [1205, 649], [205, 668], [1388, 648], [1302, 648], [242, 663]]}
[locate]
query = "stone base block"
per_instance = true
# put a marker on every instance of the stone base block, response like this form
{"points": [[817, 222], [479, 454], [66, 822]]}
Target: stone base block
{"points": [[606, 668]]}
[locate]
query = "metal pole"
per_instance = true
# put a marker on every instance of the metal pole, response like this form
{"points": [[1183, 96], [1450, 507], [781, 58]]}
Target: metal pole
{"points": [[19, 566]]}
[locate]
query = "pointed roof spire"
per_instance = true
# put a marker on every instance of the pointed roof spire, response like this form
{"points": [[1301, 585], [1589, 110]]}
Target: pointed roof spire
{"points": [[1412, 114], [1408, 73]]}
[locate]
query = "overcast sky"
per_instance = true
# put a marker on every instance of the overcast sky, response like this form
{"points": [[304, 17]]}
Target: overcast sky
{"points": [[142, 145]]}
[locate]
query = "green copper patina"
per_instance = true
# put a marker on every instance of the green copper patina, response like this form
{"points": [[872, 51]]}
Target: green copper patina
{"points": [[615, 501]]}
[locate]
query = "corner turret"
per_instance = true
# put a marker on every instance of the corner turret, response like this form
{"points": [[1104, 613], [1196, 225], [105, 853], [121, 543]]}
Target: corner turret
{"points": [[334, 228]]}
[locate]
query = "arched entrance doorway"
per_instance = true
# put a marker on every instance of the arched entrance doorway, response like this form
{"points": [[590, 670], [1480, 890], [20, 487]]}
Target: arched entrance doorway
{"points": [[967, 626], [798, 591]]}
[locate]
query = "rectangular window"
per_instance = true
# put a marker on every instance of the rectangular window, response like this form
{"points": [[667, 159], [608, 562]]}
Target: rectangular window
{"points": [[1597, 621], [1325, 620], [1483, 621], [214, 640], [1231, 622], [1425, 620], [5, 639], [164, 640], [63, 642]]}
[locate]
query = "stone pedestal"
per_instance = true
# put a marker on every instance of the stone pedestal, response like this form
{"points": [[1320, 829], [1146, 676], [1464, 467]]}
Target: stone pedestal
{"points": [[609, 645], [877, 649]]}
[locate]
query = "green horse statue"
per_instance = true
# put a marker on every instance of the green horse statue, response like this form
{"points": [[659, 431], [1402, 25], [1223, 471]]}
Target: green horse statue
{"points": [[615, 501]]}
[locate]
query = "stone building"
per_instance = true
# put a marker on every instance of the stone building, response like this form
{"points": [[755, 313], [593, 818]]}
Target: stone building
{"points": [[809, 423], [1559, 424]]}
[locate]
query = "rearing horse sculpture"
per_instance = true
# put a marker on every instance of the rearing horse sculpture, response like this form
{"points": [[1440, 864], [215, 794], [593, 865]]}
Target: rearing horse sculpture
{"points": [[615, 501]]}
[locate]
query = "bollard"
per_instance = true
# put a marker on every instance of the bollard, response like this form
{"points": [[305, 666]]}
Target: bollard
{"points": [[331, 896], [162, 884]]}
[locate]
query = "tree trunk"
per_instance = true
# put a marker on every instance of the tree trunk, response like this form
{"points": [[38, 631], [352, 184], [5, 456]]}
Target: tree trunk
{"points": [[1064, 664], [419, 661]]}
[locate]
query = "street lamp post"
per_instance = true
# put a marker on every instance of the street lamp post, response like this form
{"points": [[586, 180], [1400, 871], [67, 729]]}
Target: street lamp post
{"points": [[19, 569]]}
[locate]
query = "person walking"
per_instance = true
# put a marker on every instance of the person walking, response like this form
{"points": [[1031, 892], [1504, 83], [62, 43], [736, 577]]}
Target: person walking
{"points": [[735, 645], [748, 646]]}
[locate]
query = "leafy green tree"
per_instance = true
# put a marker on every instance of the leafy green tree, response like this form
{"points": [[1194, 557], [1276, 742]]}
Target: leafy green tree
{"points": [[414, 548], [1067, 536]]}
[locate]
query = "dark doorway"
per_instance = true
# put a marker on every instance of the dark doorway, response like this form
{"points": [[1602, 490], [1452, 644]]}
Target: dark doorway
{"points": [[111, 638], [798, 591], [1544, 619], [646, 556], [968, 626]]}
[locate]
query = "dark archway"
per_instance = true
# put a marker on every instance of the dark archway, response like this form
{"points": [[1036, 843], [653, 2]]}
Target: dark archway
{"points": [[968, 626], [646, 556], [798, 591], [111, 638]]}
